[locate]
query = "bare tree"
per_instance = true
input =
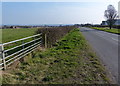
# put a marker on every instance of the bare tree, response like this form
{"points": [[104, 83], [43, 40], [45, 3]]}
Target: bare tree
{"points": [[111, 15]]}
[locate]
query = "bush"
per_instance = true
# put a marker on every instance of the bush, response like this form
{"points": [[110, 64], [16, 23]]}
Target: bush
{"points": [[116, 26], [53, 34]]}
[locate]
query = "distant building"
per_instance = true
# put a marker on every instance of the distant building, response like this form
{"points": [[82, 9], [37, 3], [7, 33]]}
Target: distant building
{"points": [[104, 23], [117, 22]]}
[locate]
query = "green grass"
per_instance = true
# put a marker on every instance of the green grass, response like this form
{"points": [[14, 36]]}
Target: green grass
{"points": [[70, 61], [14, 34], [113, 30], [0, 35]]}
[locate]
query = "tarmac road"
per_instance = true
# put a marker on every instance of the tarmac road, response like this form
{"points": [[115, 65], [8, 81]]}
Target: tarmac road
{"points": [[106, 47]]}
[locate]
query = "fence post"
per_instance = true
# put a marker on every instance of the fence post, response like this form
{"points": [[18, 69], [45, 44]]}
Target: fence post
{"points": [[40, 39], [3, 56], [45, 41]]}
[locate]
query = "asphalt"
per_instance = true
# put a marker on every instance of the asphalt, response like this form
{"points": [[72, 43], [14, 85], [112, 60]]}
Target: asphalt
{"points": [[106, 47]]}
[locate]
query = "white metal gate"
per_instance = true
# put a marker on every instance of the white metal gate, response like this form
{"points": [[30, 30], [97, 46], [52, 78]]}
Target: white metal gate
{"points": [[14, 50]]}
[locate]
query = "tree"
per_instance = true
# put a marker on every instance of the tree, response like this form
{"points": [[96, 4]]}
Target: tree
{"points": [[111, 15]]}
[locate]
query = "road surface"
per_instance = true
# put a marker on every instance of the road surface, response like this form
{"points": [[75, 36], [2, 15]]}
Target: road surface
{"points": [[106, 47]]}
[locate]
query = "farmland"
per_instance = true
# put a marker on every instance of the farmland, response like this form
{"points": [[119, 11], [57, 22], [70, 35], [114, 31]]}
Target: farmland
{"points": [[0, 35], [70, 61], [14, 34]]}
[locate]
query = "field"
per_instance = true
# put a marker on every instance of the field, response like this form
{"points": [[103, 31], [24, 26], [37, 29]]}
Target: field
{"points": [[14, 34], [113, 30], [70, 61], [0, 35]]}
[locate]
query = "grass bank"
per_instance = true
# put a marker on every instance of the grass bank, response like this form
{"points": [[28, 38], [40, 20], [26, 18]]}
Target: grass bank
{"points": [[113, 30], [70, 61]]}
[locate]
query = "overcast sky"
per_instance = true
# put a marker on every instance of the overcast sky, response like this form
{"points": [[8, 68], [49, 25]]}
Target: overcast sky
{"points": [[68, 12]]}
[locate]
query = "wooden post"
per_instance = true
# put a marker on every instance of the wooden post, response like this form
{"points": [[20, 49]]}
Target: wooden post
{"points": [[3, 56], [45, 41]]}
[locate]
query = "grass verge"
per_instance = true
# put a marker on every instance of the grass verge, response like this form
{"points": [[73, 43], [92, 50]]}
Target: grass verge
{"points": [[113, 30], [70, 61]]}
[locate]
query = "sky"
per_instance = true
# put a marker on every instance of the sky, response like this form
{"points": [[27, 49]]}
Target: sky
{"points": [[119, 9], [39, 12]]}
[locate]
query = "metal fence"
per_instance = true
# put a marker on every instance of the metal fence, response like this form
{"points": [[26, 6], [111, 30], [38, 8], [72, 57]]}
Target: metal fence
{"points": [[14, 50]]}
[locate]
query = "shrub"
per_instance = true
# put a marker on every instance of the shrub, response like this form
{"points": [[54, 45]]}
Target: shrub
{"points": [[53, 34]]}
